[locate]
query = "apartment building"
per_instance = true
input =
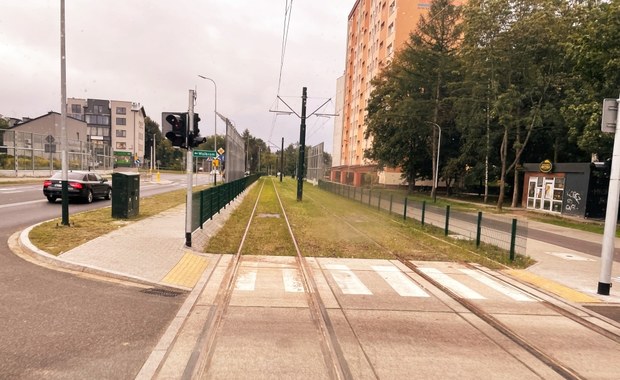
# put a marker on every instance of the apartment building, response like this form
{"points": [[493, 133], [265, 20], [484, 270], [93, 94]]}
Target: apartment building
{"points": [[376, 30], [117, 124]]}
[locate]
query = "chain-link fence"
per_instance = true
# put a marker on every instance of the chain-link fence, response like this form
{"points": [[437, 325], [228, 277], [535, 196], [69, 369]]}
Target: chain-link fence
{"points": [[235, 154], [316, 164], [27, 153], [499, 231]]}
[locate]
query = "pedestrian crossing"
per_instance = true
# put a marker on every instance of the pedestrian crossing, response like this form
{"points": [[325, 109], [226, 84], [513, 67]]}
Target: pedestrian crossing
{"points": [[359, 280]]}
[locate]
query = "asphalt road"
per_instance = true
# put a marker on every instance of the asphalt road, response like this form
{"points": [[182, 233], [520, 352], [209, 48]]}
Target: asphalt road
{"points": [[57, 325]]}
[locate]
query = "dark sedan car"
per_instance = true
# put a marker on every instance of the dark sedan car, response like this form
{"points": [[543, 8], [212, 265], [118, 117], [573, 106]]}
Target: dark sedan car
{"points": [[81, 185]]}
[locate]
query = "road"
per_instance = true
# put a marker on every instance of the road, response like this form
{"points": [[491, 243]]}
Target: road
{"points": [[60, 325]]}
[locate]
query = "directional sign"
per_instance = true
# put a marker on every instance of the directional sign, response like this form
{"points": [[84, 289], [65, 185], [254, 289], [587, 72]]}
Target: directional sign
{"points": [[203, 153], [610, 115]]}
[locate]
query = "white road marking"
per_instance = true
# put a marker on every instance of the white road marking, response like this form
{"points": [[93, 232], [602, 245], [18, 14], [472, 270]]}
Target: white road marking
{"points": [[452, 284], [346, 280], [292, 282], [246, 281], [402, 284], [505, 290]]}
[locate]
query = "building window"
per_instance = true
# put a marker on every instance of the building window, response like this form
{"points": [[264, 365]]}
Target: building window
{"points": [[121, 121], [121, 133], [392, 6], [121, 110], [121, 145], [97, 109], [76, 108], [391, 28], [390, 49]]}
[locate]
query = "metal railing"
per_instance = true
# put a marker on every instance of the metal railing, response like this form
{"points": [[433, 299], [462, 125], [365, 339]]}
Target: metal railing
{"points": [[206, 203], [495, 230]]}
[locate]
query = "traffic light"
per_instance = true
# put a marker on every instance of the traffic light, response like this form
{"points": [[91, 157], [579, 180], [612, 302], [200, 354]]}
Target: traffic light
{"points": [[178, 134], [194, 135]]}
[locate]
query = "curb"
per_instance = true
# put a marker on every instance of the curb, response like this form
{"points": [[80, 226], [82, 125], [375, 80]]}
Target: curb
{"points": [[40, 257]]}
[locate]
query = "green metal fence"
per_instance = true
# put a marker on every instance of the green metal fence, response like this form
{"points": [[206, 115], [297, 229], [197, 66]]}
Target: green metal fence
{"points": [[206, 203], [495, 230]]}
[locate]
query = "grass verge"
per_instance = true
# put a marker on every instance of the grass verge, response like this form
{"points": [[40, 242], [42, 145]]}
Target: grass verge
{"points": [[54, 238]]}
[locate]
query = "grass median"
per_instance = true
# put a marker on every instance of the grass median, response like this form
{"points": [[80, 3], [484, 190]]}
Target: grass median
{"points": [[327, 225]]}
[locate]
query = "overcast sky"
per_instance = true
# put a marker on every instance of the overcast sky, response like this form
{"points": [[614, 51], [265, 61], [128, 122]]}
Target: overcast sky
{"points": [[152, 51]]}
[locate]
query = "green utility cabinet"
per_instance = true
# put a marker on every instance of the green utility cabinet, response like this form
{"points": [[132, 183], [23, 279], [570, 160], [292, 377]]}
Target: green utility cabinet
{"points": [[125, 195]]}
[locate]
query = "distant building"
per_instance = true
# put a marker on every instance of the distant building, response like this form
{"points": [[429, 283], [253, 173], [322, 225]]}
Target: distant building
{"points": [[377, 29], [117, 124], [49, 125]]}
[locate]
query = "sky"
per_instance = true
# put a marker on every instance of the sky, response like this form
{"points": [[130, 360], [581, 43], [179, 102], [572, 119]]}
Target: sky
{"points": [[153, 51]]}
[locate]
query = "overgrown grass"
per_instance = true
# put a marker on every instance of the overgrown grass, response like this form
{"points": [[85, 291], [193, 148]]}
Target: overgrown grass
{"points": [[327, 225], [54, 238]]}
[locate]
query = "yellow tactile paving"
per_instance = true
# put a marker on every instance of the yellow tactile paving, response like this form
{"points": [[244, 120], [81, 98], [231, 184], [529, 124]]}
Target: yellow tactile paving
{"points": [[553, 287], [187, 272]]}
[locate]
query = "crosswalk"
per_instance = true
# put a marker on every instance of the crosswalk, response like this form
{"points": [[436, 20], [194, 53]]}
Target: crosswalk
{"points": [[462, 281]]}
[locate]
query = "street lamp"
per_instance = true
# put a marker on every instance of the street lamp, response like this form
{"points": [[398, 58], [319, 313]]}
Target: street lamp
{"points": [[214, 124], [436, 160]]}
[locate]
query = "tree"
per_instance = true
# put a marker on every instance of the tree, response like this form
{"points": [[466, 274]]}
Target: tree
{"points": [[516, 47], [593, 49], [412, 94]]}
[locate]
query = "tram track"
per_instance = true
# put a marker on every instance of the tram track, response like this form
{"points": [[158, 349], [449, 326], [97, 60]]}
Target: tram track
{"points": [[548, 359], [334, 356], [335, 363]]}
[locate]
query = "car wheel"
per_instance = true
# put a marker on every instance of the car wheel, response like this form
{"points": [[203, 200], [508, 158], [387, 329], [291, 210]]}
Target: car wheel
{"points": [[89, 197], [51, 199], [108, 194]]}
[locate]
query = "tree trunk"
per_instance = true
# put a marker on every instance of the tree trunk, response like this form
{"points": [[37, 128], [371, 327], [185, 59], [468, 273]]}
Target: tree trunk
{"points": [[515, 189], [503, 152]]}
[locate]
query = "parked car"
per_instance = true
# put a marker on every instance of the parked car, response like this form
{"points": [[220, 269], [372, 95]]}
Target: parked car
{"points": [[81, 185]]}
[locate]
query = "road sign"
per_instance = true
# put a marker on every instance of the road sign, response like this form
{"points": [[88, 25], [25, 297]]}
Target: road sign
{"points": [[203, 153], [221, 151], [610, 114]]}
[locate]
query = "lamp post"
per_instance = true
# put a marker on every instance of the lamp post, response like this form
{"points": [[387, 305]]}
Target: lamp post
{"points": [[436, 161], [214, 124]]}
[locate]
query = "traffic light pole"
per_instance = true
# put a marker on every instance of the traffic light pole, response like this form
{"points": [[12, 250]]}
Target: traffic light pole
{"points": [[188, 168]]}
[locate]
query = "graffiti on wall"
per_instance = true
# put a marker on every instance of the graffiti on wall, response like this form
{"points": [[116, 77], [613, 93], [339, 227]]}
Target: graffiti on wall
{"points": [[573, 201]]}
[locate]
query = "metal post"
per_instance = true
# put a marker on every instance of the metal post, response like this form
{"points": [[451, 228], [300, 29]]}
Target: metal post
{"points": [[447, 220], [405, 210], [479, 228], [63, 119], [391, 199], [423, 211], [513, 239], [282, 159], [188, 170], [379, 202], [302, 145], [611, 215], [214, 125]]}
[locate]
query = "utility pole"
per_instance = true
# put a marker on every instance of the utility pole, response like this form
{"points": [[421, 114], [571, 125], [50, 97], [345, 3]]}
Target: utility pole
{"points": [[282, 159], [63, 118], [610, 122], [188, 170], [302, 138], [302, 146]]}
